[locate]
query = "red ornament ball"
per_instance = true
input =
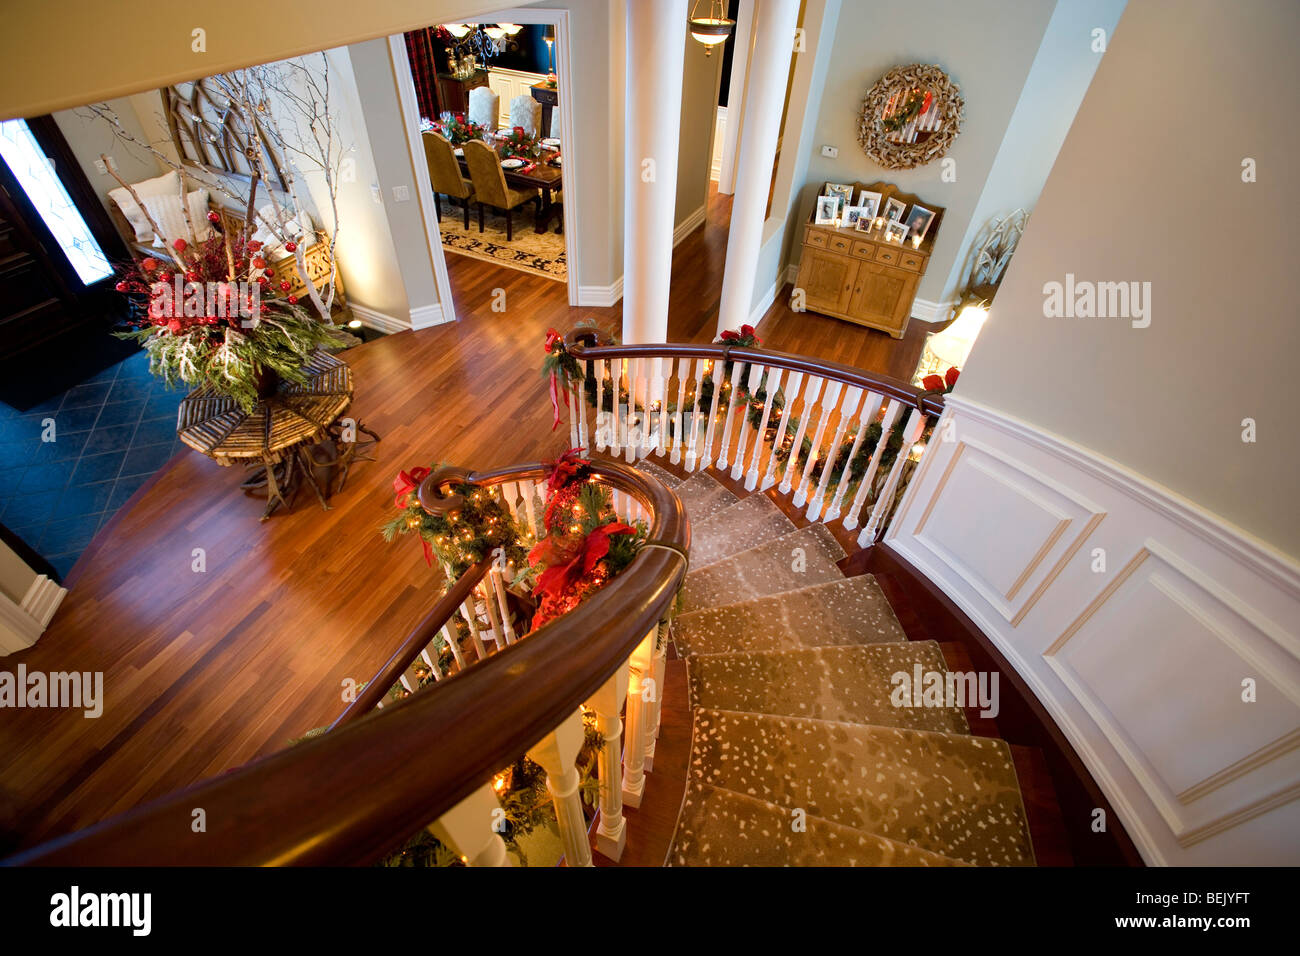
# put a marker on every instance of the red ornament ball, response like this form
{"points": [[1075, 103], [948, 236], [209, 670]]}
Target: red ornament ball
{"points": [[149, 263], [120, 287], [192, 276], [214, 217], [254, 245], [174, 326], [259, 263], [293, 300], [291, 246], [180, 245], [285, 285]]}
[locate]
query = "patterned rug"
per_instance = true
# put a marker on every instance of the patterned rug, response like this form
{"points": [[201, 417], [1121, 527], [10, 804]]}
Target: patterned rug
{"points": [[541, 254]]}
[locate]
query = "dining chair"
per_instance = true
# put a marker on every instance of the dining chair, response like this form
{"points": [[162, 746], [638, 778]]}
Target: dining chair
{"points": [[444, 173], [555, 123], [490, 185], [484, 105], [526, 112]]}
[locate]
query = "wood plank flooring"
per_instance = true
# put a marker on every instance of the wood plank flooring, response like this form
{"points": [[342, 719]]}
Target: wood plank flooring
{"points": [[207, 669]]}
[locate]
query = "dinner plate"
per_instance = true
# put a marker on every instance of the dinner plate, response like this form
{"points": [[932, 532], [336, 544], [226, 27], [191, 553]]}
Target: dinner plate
{"points": [[511, 163], [552, 142], [459, 150]]}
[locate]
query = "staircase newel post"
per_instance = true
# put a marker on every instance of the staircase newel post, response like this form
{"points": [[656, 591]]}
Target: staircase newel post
{"points": [[473, 829], [611, 828], [557, 754], [640, 668]]}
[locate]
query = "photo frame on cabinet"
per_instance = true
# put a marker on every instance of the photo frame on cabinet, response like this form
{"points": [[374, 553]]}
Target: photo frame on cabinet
{"points": [[894, 210], [871, 202], [895, 231], [827, 207], [852, 215], [919, 219], [843, 193]]}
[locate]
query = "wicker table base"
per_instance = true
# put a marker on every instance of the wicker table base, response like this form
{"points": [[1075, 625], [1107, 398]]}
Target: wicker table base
{"points": [[295, 435]]}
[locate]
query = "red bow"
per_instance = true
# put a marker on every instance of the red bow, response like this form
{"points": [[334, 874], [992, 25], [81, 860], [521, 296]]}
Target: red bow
{"points": [[405, 483], [552, 337], [731, 335], [579, 556], [941, 383]]}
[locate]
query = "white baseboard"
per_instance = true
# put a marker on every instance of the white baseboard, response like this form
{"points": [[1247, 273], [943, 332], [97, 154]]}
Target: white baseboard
{"points": [[1134, 615], [43, 598], [690, 224], [928, 311], [21, 625], [601, 295], [424, 316], [371, 318]]}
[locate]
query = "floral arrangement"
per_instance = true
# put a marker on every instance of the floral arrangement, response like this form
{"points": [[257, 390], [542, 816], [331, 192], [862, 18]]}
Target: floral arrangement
{"points": [[517, 144], [460, 130], [944, 383], [216, 313], [560, 369], [586, 544]]}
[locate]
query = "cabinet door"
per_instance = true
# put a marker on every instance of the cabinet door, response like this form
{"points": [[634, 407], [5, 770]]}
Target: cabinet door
{"points": [[826, 279], [882, 295]]}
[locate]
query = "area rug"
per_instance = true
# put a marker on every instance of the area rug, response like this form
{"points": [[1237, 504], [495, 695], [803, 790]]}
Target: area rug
{"points": [[538, 253]]}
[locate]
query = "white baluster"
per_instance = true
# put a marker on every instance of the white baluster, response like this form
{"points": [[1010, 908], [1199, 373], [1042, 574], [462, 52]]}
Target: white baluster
{"points": [[449, 635], [405, 683], [870, 409], [771, 388], [611, 828], [620, 410], [811, 390], [530, 511], [603, 439], [912, 429], [580, 399], [696, 412], [433, 664], [644, 381], [571, 402], [639, 667], [829, 399], [663, 376], [793, 385], [679, 417], [864, 486], [499, 588], [633, 419], [494, 618], [654, 707], [557, 754], [850, 405], [467, 829], [468, 611], [725, 449], [755, 379]]}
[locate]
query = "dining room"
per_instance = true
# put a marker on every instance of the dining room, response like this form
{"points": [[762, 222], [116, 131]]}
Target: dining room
{"points": [[492, 121]]}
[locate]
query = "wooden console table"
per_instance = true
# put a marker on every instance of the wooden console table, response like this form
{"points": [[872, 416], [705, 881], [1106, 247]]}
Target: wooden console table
{"points": [[858, 276], [290, 437]]}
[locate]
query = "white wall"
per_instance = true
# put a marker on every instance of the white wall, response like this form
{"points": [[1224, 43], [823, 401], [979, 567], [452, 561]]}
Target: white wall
{"points": [[88, 137], [700, 80]]}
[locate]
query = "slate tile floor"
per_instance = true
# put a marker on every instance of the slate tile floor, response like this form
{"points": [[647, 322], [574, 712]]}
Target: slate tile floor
{"points": [[111, 433]]}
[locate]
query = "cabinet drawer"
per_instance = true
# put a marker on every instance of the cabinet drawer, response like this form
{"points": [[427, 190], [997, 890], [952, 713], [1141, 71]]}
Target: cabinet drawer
{"points": [[863, 250], [813, 237], [910, 260], [888, 254], [839, 243]]}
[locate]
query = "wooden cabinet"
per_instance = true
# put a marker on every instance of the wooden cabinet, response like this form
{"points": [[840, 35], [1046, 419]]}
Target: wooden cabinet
{"points": [[858, 276]]}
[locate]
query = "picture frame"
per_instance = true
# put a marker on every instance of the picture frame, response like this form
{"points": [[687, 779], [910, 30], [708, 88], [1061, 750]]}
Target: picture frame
{"points": [[895, 231], [843, 192], [894, 210], [919, 219], [865, 223], [853, 215], [827, 209], [870, 201]]}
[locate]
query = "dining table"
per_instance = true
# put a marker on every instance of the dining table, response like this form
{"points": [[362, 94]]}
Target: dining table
{"points": [[543, 174]]}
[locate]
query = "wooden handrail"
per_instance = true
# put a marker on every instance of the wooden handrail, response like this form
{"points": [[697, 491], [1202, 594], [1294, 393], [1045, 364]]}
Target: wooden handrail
{"points": [[583, 345], [416, 641], [349, 796]]}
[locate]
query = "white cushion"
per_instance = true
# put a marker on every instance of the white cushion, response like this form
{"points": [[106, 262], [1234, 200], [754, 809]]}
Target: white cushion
{"points": [[526, 112], [484, 105], [165, 208], [170, 183], [300, 229]]}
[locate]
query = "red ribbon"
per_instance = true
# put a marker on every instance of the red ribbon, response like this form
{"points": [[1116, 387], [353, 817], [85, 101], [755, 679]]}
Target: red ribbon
{"points": [[407, 482], [555, 579], [552, 337]]}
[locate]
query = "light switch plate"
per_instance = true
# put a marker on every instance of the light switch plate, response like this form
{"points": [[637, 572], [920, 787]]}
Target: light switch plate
{"points": [[830, 151], [401, 194]]}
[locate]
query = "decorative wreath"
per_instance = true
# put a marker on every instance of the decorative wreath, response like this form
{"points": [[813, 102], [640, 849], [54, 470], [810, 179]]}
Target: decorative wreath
{"points": [[938, 92]]}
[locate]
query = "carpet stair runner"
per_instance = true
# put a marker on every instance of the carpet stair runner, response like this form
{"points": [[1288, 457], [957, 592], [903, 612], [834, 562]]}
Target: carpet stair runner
{"points": [[798, 755]]}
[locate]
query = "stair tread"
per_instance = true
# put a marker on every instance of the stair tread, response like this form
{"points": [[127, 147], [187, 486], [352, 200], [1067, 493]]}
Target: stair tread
{"points": [[702, 495], [767, 569], [840, 611], [849, 684], [739, 527], [663, 474], [948, 793], [718, 827]]}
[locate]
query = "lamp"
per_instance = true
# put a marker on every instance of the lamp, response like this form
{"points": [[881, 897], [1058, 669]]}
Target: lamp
{"points": [[494, 31], [712, 29], [548, 35], [510, 29], [951, 347], [458, 30]]}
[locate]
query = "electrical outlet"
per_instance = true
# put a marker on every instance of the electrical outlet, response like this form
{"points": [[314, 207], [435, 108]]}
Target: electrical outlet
{"points": [[830, 151], [100, 167], [401, 194]]}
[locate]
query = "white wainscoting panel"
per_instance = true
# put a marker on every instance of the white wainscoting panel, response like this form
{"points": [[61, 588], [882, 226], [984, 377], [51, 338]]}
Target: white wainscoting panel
{"points": [[1138, 619]]}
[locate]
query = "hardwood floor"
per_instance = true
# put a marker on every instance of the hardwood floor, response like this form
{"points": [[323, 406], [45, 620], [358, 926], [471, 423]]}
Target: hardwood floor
{"points": [[207, 669]]}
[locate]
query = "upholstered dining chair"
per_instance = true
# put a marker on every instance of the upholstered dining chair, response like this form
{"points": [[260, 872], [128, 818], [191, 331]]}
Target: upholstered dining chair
{"points": [[484, 107], [526, 112], [444, 173], [555, 123], [490, 184]]}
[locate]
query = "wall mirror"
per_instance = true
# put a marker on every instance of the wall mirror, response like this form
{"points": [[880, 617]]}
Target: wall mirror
{"points": [[910, 117]]}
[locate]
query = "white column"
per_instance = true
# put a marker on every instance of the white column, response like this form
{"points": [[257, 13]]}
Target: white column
{"points": [[736, 97], [655, 56], [557, 753], [611, 828], [640, 667], [774, 26], [471, 828]]}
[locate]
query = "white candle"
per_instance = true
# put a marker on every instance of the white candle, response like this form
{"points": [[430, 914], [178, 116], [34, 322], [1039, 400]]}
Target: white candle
{"points": [[916, 242]]}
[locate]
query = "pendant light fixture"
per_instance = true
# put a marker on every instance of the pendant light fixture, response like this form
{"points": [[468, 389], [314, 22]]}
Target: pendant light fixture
{"points": [[714, 27]]}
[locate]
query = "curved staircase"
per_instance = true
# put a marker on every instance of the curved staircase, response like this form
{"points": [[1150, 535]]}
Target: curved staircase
{"points": [[798, 757]]}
